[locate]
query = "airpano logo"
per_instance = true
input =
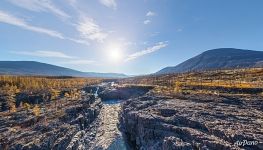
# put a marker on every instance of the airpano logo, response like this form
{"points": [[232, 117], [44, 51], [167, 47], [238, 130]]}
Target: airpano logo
{"points": [[246, 143]]}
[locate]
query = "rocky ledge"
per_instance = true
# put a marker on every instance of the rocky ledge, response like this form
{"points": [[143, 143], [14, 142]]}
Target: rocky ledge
{"points": [[124, 92], [58, 129], [195, 122]]}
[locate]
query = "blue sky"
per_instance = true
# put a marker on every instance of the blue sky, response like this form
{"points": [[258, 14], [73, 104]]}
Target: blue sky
{"points": [[125, 36]]}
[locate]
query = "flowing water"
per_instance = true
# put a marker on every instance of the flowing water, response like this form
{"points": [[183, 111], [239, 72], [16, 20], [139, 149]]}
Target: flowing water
{"points": [[96, 92], [112, 101]]}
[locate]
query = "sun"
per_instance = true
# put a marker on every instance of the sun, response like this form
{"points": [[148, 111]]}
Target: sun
{"points": [[115, 54]]}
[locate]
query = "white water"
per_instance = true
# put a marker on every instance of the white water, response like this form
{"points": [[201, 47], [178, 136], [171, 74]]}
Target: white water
{"points": [[96, 92]]}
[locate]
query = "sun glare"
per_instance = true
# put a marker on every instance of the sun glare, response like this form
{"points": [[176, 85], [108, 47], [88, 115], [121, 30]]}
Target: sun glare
{"points": [[115, 53]]}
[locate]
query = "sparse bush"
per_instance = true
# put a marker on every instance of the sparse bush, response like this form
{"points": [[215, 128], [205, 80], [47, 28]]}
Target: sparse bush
{"points": [[54, 96], [9, 93], [26, 106], [74, 94], [13, 108], [36, 110], [178, 87]]}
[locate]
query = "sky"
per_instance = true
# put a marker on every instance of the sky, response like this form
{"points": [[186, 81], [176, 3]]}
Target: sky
{"points": [[125, 36]]}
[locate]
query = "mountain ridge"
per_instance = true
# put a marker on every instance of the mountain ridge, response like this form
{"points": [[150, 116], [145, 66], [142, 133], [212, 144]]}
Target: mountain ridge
{"points": [[220, 58], [45, 69]]}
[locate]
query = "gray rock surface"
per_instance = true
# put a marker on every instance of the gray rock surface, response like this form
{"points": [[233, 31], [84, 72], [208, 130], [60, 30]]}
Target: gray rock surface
{"points": [[62, 130], [196, 122], [108, 134], [124, 92]]}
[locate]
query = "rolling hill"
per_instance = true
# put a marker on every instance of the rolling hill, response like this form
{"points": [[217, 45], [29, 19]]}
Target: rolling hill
{"points": [[37, 68], [222, 58]]}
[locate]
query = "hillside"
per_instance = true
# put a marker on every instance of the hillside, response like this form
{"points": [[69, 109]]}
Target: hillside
{"points": [[221, 58], [37, 68]]}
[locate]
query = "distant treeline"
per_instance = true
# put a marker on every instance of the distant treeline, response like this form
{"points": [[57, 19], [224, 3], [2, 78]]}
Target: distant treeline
{"points": [[37, 83]]}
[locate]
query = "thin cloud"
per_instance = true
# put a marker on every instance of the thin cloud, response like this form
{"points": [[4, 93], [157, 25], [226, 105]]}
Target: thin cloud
{"points": [[12, 20], [40, 6], [146, 21], [71, 60], [44, 54], [109, 3], [80, 41], [150, 13], [146, 51], [90, 30]]}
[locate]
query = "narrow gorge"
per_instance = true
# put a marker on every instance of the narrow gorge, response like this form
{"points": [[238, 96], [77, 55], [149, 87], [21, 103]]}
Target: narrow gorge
{"points": [[125, 117]]}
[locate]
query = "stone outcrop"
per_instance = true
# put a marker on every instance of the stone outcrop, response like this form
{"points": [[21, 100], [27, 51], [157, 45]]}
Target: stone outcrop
{"points": [[59, 129], [193, 122], [185, 122], [108, 135], [124, 93]]}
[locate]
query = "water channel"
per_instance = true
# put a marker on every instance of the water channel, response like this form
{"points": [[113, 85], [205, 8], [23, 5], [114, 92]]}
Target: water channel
{"points": [[110, 137]]}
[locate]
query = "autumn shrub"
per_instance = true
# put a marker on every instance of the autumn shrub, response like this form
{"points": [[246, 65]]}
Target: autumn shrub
{"points": [[13, 108], [26, 106], [36, 110]]}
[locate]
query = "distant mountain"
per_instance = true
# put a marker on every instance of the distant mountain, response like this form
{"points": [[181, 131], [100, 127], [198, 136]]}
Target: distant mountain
{"points": [[37, 68], [221, 58]]}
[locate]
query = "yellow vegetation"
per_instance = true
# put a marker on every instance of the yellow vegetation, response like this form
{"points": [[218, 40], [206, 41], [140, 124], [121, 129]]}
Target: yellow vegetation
{"points": [[9, 92], [205, 81], [13, 108], [36, 110], [26, 106], [225, 84], [178, 87], [11, 86], [32, 84]]}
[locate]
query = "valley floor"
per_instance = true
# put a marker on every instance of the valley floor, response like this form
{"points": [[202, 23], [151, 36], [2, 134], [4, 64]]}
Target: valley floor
{"points": [[145, 120]]}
